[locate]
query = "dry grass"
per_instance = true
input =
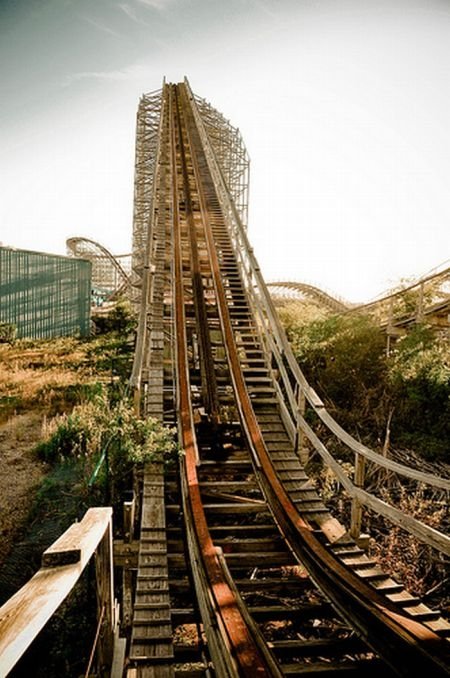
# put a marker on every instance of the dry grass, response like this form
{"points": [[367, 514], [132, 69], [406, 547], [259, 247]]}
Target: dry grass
{"points": [[26, 384], [20, 474], [35, 380], [34, 374]]}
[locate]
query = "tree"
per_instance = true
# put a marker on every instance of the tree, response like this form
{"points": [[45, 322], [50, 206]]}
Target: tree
{"points": [[344, 358]]}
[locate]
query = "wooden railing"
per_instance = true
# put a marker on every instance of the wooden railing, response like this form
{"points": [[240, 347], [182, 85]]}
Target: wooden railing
{"points": [[295, 394], [25, 614]]}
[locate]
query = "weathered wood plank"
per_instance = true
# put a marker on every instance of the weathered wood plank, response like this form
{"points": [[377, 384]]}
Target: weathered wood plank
{"points": [[151, 639], [24, 615], [425, 533]]}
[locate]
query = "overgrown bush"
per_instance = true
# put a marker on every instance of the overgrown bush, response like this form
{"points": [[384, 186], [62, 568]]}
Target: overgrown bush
{"points": [[112, 351], [80, 433], [419, 378], [120, 319], [344, 358], [53, 375], [8, 333], [98, 426]]}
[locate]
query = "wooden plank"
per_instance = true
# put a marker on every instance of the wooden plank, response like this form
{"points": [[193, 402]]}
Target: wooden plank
{"points": [[104, 575], [129, 510], [118, 663], [28, 610], [306, 611], [424, 533], [66, 550], [151, 638], [127, 597], [318, 646], [283, 453], [153, 560], [153, 515], [245, 507]]}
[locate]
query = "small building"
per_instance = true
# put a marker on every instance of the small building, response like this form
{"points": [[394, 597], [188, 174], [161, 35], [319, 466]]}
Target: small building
{"points": [[44, 295]]}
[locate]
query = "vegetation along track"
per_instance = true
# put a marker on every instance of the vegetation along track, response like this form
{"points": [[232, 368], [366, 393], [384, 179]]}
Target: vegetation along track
{"points": [[280, 586]]}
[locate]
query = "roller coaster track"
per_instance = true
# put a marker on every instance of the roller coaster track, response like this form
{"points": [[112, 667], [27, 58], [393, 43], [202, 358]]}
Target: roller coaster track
{"points": [[249, 518], [425, 298], [108, 273], [295, 291], [236, 566]]}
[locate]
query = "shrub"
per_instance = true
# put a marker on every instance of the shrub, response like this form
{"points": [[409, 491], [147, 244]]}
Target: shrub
{"points": [[344, 358], [119, 319], [96, 426], [419, 374], [7, 333]]}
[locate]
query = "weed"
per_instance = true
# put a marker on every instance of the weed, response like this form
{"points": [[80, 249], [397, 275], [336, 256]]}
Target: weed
{"points": [[410, 561], [7, 333], [98, 427]]}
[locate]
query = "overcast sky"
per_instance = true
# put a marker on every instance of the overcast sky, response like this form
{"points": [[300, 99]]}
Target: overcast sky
{"points": [[344, 106]]}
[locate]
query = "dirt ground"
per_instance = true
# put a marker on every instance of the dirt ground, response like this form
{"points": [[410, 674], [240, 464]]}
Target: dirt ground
{"points": [[34, 378], [20, 475]]}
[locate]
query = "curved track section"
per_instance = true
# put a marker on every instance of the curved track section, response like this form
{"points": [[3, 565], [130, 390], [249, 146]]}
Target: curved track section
{"points": [[282, 292], [108, 273], [427, 298]]}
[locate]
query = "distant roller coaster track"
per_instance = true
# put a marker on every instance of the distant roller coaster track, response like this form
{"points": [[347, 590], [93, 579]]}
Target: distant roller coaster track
{"points": [[289, 290], [431, 286], [108, 272], [281, 291], [434, 278]]}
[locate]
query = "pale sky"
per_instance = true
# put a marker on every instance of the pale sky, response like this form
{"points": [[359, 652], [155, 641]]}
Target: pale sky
{"points": [[344, 106]]}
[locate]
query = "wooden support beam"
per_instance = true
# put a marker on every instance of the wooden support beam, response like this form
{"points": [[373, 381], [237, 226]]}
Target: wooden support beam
{"points": [[129, 512], [127, 596], [420, 305], [105, 600], [301, 447], [356, 513]]}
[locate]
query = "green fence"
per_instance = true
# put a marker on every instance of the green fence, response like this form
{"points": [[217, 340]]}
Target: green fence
{"points": [[44, 295]]}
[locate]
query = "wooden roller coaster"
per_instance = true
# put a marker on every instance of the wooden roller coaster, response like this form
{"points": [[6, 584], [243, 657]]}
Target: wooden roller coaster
{"points": [[425, 300], [232, 564]]}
